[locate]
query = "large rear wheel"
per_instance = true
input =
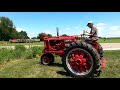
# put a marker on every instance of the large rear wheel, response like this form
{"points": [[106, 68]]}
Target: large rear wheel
{"points": [[81, 59], [100, 50]]}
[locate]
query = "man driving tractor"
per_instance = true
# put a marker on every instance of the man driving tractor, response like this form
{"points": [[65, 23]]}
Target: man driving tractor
{"points": [[93, 35]]}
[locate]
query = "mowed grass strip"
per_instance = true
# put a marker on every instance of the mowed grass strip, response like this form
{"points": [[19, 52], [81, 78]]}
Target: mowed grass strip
{"points": [[33, 69], [113, 65]]}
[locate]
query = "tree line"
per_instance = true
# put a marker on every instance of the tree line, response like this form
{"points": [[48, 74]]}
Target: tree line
{"points": [[8, 31]]}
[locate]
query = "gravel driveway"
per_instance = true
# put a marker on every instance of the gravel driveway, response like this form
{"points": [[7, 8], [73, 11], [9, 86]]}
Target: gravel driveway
{"points": [[110, 46]]}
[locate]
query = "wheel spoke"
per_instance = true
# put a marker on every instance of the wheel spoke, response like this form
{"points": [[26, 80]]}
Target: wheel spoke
{"points": [[87, 66], [72, 56], [74, 66], [82, 69], [82, 53]]}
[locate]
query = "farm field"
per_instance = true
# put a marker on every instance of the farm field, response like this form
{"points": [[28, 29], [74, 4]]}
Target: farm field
{"points": [[109, 40], [31, 68]]}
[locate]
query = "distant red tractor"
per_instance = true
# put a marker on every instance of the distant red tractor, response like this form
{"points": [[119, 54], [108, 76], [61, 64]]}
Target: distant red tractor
{"points": [[80, 59]]}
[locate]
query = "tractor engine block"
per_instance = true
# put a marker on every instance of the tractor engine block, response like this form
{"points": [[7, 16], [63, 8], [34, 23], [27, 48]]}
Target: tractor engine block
{"points": [[56, 44]]}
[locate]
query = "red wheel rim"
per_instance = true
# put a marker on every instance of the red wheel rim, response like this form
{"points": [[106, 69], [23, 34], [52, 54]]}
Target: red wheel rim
{"points": [[45, 60], [79, 61]]}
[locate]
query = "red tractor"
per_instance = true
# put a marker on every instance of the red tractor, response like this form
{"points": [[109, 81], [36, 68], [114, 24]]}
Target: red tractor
{"points": [[80, 59]]}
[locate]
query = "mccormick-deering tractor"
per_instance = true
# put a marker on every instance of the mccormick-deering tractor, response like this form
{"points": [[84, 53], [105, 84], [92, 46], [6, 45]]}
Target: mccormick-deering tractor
{"points": [[82, 59]]}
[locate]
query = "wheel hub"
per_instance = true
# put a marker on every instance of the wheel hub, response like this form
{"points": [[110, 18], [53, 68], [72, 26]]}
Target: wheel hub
{"points": [[79, 60], [45, 59]]}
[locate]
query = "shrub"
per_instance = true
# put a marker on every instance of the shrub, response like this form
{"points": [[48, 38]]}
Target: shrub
{"points": [[36, 51], [20, 47], [37, 56], [6, 55], [23, 53], [28, 54], [20, 52]]}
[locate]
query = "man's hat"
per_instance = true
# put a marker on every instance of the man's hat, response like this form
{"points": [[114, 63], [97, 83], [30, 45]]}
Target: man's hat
{"points": [[90, 22]]}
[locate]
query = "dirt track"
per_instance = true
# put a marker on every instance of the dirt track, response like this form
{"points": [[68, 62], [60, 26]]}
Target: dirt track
{"points": [[110, 46], [106, 46]]}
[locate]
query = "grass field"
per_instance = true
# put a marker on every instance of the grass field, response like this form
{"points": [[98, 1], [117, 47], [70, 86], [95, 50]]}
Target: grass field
{"points": [[109, 41], [33, 69]]}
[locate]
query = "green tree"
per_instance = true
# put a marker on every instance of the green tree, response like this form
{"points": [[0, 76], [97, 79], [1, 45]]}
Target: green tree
{"points": [[5, 26], [49, 35], [64, 35], [23, 35], [40, 36], [7, 29], [34, 38], [14, 34]]}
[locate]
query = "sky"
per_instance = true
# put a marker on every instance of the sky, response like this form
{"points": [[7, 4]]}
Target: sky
{"points": [[70, 23]]}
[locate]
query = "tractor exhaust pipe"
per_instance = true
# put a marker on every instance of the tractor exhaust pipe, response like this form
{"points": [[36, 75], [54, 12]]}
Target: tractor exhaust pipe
{"points": [[57, 31]]}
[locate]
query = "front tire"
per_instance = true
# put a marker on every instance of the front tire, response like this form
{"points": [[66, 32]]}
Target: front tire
{"points": [[47, 59]]}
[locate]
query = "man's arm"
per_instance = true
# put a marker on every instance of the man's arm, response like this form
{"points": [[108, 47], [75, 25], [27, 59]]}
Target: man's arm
{"points": [[88, 34], [94, 31]]}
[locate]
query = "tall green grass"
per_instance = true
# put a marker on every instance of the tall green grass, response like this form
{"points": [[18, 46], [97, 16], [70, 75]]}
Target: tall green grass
{"points": [[20, 52], [36, 51]]}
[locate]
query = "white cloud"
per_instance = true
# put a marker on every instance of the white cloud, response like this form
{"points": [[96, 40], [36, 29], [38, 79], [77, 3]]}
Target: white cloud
{"points": [[76, 27], [19, 29], [114, 28], [48, 31], [114, 31], [32, 34], [101, 24], [67, 28], [114, 34], [101, 27]]}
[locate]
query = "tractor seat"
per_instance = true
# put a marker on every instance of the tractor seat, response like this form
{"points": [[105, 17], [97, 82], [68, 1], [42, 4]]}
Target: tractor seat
{"points": [[92, 41]]}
